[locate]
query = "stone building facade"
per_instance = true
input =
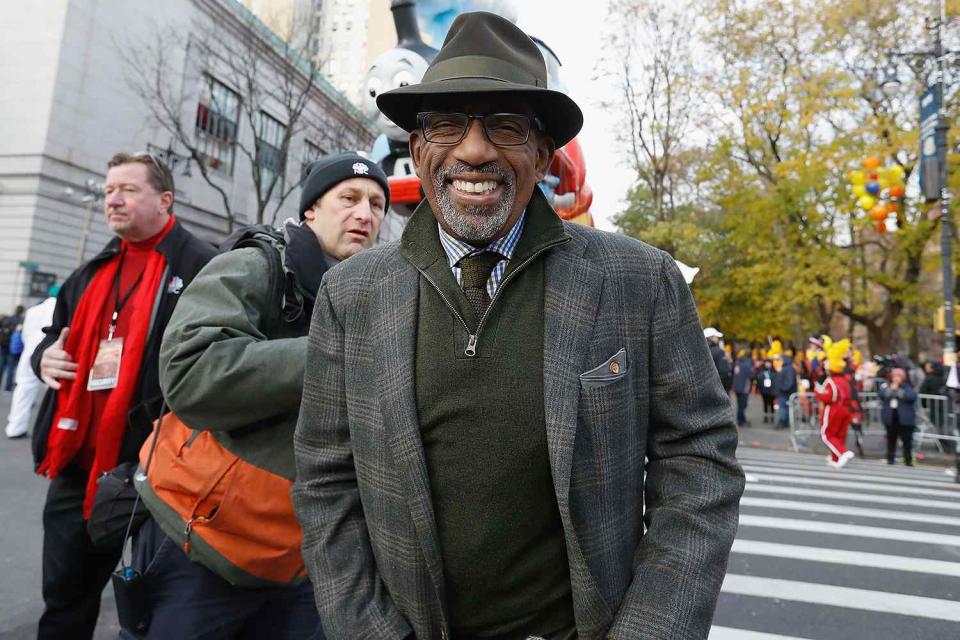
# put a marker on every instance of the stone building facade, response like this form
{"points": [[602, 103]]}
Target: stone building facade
{"points": [[66, 108]]}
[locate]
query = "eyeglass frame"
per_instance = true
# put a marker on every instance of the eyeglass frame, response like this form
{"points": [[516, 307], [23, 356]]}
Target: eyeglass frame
{"points": [[157, 162], [534, 121]]}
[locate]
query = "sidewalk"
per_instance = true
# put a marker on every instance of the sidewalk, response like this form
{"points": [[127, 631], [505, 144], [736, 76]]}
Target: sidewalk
{"points": [[22, 494]]}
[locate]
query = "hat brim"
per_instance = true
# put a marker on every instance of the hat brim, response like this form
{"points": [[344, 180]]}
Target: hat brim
{"points": [[561, 117]]}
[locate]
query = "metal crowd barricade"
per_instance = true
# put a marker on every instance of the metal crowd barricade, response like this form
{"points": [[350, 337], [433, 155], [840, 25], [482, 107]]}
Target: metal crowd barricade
{"points": [[936, 420]]}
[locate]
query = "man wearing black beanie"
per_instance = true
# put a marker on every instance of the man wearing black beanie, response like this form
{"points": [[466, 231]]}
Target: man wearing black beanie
{"points": [[232, 362]]}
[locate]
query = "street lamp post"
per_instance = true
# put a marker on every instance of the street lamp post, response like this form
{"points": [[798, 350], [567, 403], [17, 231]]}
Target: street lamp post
{"points": [[946, 226], [92, 196], [942, 193], [936, 189]]}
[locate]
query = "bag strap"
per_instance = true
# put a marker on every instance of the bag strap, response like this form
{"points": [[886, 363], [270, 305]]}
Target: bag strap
{"points": [[282, 283], [136, 502]]}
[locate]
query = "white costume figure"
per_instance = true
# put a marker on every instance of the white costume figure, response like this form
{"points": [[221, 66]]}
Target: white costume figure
{"points": [[28, 384]]}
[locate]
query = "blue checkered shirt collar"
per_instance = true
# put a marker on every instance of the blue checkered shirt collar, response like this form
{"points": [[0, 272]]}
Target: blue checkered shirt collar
{"points": [[505, 246]]}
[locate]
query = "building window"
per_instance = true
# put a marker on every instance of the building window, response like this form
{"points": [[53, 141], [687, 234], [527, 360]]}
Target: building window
{"points": [[311, 152], [218, 113], [271, 158]]}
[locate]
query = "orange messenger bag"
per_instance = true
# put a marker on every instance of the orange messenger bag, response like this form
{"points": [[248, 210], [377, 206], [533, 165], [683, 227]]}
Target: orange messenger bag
{"points": [[232, 517]]}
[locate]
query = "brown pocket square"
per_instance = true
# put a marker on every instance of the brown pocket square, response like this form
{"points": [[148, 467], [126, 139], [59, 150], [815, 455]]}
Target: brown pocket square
{"points": [[610, 371]]}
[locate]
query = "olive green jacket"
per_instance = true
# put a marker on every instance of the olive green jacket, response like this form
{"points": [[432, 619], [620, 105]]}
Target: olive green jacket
{"points": [[227, 365]]}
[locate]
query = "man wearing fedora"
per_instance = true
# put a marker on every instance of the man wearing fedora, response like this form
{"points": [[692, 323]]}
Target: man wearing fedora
{"points": [[509, 428]]}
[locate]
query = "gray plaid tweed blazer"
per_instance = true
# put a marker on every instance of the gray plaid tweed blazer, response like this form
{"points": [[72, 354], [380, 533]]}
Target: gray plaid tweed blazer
{"points": [[642, 453]]}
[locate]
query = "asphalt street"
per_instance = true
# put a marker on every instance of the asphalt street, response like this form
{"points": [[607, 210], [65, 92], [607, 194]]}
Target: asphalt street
{"points": [[22, 493], [868, 552]]}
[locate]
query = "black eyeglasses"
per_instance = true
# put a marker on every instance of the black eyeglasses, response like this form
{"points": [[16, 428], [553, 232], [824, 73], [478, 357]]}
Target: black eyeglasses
{"points": [[501, 129]]}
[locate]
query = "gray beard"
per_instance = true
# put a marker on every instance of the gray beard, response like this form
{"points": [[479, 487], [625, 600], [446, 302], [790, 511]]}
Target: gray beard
{"points": [[481, 223]]}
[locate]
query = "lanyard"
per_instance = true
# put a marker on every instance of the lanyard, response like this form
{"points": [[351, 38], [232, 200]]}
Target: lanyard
{"points": [[118, 302]]}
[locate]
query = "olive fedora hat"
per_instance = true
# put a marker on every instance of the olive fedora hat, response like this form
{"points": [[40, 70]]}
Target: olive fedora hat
{"points": [[485, 54]]}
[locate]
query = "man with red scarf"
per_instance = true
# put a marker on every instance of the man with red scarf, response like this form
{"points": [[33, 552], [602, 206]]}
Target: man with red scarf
{"points": [[99, 358]]}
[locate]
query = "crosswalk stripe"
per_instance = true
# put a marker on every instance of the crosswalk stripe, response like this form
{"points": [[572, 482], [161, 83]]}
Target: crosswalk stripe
{"points": [[847, 597], [847, 475], [794, 524], [834, 528], [847, 510], [853, 497], [936, 474], [772, 477], [729, 633], [842, 556], [816, 460]]}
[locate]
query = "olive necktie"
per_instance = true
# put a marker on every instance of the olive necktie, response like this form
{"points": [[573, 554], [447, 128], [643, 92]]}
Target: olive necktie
{"points": [[474, 272]]}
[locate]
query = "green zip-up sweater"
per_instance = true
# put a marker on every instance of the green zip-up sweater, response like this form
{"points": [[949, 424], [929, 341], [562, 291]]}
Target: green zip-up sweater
{"points": [[482, 424]]}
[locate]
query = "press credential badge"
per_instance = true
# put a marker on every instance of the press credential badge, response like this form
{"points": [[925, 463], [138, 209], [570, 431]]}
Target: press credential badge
{"points": [[106, 365]]}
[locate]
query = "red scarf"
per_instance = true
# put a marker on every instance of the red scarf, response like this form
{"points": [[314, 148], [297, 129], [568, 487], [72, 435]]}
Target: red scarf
{"points": [[74, 403]]}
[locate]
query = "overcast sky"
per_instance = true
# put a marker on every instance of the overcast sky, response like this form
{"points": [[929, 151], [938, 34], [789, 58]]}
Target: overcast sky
{"points": [[575, 31]]}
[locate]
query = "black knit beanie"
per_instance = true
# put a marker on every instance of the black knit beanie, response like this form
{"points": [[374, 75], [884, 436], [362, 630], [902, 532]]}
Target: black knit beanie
{"points": [[326, 172]]}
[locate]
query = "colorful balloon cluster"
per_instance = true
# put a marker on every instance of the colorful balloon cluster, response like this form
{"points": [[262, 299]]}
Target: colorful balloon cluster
{"points": [[879, 190]]}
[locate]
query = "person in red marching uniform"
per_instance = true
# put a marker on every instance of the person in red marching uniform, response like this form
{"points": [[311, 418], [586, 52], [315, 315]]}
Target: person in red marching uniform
{"points": [[836, 394]]}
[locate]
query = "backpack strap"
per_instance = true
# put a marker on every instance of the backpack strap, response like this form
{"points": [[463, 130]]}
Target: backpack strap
{"points": [[281, 280]]}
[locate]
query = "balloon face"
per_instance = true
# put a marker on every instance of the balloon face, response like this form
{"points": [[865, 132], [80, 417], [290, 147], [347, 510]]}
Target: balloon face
{"points": [[897, 190], [859, 190], [873, 188], [871, 162], [390, 70], [857, 177], [878, 212], [866, 202]]}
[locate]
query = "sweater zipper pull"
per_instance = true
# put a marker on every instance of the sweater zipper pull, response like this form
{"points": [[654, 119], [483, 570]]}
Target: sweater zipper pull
{"points": [[471, 349]]}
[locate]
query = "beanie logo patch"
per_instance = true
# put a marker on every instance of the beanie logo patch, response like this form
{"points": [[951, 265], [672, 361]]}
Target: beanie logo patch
{"points": [[360, 169]]}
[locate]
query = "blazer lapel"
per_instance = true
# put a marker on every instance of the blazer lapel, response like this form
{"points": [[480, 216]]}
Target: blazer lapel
{"points": [[396, 322], [571, 301], [571, 304]]}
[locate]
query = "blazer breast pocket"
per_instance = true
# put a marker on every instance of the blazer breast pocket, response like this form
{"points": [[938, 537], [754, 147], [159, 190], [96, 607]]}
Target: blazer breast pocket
{"points": [[614, 369]]}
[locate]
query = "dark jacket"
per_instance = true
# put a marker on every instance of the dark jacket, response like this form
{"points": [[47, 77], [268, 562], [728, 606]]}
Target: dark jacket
{"points": [[762, 376], [185, 254], [786, 380], [906, 399], [743, 375], [935, 384], [724, 370]]}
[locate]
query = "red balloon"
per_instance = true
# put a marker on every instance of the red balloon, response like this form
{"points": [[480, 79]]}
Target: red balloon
{"points": [[897, 190]]}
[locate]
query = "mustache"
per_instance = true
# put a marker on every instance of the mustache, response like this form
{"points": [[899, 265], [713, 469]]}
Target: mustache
{"points": [[445, 173]]}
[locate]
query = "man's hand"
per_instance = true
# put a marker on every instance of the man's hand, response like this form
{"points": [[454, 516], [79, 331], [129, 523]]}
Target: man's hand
{"points": [[57, 364]]}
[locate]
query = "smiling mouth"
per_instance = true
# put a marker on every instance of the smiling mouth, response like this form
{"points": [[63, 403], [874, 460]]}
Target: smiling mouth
{"points": [[478, 187]]}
